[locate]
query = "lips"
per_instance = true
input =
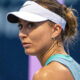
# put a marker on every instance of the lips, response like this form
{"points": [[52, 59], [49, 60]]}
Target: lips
{"points": [[26, 45]]}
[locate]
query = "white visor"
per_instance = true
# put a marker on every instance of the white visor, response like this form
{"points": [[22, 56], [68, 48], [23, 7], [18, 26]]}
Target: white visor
{"points": [[33, 12]]}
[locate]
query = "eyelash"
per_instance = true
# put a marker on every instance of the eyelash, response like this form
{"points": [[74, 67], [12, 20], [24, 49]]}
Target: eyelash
{"points": [[29, 25], [20, 26]]}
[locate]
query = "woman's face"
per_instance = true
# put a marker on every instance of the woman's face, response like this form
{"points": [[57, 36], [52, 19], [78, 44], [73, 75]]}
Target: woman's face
{"points": [[36, 38]]}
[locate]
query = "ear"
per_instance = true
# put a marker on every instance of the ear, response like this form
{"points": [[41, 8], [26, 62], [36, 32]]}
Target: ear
{"points": [[56, 30]]}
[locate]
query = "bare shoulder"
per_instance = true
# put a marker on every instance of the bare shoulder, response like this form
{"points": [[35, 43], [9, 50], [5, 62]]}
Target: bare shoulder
{"points": [[54, 71]]}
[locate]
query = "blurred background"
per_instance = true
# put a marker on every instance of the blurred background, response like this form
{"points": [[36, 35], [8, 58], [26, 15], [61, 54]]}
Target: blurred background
{"points": [[14, 64]]}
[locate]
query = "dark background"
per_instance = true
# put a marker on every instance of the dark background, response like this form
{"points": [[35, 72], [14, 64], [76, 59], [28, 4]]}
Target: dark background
{"points": [[13, 61]]}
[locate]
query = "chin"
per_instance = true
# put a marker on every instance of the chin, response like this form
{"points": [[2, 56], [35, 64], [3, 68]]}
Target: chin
{"points": [[30, 52]]}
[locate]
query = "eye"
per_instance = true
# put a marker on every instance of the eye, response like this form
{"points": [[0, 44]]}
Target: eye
{"points": [[20, 26], [30, 25]]}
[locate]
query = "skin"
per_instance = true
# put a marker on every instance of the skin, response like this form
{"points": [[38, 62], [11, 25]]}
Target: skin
{"points": [[43, 40]]}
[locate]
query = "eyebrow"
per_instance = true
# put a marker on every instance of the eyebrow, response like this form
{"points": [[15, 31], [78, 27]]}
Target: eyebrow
{"points": [[24, 20], [27, 22]]}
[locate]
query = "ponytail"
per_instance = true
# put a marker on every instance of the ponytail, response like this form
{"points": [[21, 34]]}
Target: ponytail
{"points": [[71, 26]]}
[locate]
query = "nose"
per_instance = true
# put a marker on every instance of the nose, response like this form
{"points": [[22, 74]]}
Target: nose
{"points": [[22, 35]]}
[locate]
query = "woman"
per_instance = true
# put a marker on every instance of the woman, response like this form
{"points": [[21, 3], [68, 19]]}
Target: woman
{"points": [[44, 26]]}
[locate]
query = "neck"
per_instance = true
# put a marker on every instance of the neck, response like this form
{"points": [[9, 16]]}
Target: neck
{"points": [[54, 49]]}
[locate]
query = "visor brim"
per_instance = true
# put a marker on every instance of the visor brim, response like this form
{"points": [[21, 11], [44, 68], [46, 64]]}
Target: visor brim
{"points": [[14, 17]]}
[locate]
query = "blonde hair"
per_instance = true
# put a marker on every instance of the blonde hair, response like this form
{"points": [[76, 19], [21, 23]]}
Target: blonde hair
{"points": [[71, 26]]}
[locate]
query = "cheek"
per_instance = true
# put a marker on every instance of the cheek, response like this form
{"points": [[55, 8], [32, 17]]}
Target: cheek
{"points": [[41, 38]]}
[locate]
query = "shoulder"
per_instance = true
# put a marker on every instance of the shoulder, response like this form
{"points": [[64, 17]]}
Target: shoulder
{"points": [[54, 71]]}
